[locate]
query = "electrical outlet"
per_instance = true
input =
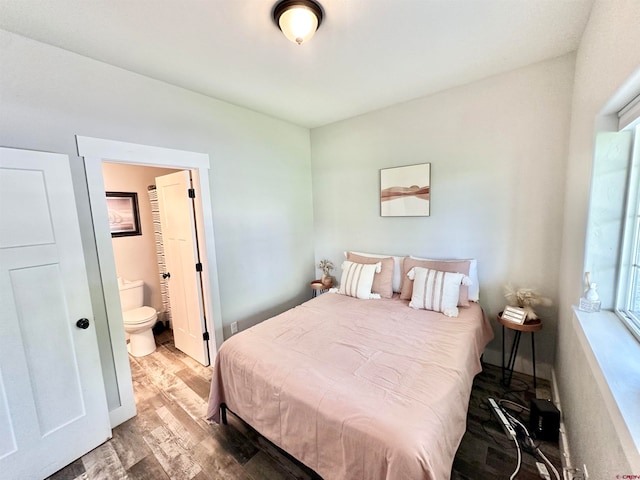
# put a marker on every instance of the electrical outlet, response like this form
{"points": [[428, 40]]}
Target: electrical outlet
{"points": [[234, 328], [572, 474]]}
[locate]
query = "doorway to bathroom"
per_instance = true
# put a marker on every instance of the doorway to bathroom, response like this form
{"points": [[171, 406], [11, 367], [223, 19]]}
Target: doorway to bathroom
{"points": [[143, 202], [102, 268]]}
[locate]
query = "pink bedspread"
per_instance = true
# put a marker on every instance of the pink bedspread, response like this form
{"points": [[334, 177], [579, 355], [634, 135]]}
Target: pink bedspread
{"points": [[356, 389]]}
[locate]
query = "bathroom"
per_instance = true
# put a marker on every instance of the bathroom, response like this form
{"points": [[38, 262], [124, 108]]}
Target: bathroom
{"points": [[135, 254]]}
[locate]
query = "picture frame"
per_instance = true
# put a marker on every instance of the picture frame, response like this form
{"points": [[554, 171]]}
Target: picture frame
{"points": [[406, 191], [124, 218], [514, 315]]}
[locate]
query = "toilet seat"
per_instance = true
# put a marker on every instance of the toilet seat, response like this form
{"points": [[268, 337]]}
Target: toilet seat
{"points": [[138, 315]]}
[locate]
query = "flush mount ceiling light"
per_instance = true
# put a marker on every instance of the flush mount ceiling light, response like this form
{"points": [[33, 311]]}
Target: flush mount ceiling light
{"points": [[298, 19]]}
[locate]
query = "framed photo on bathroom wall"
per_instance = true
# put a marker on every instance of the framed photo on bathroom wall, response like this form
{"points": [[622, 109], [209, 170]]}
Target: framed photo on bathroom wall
{"points": [[124, 219]]}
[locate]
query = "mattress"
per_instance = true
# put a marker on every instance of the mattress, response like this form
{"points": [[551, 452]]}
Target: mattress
{"points": [[356, 389]]}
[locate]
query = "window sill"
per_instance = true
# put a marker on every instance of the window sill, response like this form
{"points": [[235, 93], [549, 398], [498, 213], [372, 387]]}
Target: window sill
{"points": [[615, 363]]}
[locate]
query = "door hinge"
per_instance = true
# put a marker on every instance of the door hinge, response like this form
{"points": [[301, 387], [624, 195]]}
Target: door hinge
{"points": [[192, 193], [198, 267], [205, 336]]}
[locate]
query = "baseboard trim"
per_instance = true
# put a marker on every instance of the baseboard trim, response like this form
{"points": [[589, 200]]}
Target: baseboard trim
{"points": [[563, 439]]}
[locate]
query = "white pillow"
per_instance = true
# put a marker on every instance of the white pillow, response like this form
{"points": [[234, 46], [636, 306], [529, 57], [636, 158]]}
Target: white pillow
{"points": [[357, 279], [474, 286], [397, 267], [435, 290]]}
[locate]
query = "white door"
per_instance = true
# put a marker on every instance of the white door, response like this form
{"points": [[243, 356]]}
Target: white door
{"points": [[53, 407], [177, 220]]}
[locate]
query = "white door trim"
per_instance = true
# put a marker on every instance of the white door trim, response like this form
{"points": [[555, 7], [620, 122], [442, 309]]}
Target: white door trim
{"points": [[97, 150]]}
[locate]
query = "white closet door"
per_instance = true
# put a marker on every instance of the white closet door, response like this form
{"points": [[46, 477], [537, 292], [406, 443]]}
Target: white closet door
{"points": [[52, 400]]}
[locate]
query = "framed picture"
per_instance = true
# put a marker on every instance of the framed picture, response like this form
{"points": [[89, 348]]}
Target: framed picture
{"points": [[514, 314], [405, 191], [124, 219]]}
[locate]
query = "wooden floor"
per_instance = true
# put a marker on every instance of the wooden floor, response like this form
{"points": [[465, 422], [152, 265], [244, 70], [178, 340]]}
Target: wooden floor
{"points": [[169, 439]]}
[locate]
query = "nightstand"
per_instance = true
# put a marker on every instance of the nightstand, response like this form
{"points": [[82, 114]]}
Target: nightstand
{"points": [[317, 287], [531, 326]]}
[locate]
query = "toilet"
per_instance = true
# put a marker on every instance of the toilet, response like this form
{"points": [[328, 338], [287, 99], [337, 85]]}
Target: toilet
{"points": [[138, 319]]}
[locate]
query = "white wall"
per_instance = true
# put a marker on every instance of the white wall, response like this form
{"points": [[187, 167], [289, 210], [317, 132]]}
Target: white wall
{"points": [[497, 149], [260, 177], [608, 55], [135, 256]]}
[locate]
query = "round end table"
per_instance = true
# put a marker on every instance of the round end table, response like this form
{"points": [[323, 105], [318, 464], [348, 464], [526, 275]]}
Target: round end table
{"points": [[530, 326], [318, 287]]}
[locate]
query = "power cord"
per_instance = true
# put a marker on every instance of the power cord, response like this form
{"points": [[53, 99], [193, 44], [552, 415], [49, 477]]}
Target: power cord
{"points": [[522, 435], [515, 472], [522, 408]]}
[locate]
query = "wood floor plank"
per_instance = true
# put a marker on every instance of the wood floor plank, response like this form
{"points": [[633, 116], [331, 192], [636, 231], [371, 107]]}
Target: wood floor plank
{"points": [[70, 472], [195, 382], [195, 366], [147, 468], [190, 401], [285, 462], [175, 460], [263, 467], [126, 442], [234, 442], [147, 419], [171, 360], [104, 463], [216, 462], [181, 433], [197, 429], [156, 372]]}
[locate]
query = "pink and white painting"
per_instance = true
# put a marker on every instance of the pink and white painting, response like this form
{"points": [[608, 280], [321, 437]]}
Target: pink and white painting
{"points": [[405, 191]]}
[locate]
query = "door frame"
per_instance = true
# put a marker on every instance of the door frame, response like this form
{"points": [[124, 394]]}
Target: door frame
{"points": [[97, 150]]}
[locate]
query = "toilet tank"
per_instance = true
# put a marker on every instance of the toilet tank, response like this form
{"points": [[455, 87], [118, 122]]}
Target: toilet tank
{"points": [[131, 293]]}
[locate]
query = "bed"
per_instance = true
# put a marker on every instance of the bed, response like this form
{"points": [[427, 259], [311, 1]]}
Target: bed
{"points": [[356, 389]]}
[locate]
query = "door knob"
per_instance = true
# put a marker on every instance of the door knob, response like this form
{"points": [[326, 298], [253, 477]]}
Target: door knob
{"points": [[83, 323], [166, 275]]}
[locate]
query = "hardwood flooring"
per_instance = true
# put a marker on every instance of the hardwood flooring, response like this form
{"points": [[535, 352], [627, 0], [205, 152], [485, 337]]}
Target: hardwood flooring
{"points": [[170, 440]]}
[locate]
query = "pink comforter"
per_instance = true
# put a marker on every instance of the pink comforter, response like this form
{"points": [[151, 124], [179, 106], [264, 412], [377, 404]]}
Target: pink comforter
{"points": [[356, 389]]}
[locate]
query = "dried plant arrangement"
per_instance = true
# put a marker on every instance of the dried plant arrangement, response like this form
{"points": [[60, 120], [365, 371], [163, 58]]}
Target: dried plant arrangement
{"points": [[525, 298], [326, 266]]}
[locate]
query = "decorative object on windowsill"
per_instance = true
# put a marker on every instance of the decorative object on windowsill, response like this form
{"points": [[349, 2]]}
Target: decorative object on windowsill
{"points": [[326, 266], [527, 299], [590, 302]]}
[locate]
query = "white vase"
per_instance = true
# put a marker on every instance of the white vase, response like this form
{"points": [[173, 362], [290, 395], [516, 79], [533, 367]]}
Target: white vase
{"points": [[592, 293]]}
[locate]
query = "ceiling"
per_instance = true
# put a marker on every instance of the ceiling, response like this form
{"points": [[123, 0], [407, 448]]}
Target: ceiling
{"points": [[366, 55]]}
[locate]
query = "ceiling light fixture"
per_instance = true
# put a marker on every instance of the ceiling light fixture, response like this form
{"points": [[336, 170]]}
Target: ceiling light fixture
{"points": [[298, 19]]}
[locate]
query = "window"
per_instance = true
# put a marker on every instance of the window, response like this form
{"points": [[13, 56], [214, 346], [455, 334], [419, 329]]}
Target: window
{"points": [[628, 297]]}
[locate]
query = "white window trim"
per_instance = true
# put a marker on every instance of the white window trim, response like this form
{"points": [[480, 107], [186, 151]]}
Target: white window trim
{"points": [[629, 113], [631, 235]]}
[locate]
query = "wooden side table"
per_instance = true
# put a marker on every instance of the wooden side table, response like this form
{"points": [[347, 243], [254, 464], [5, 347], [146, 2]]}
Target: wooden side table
{"points": [[531, 326], [317, 287]]}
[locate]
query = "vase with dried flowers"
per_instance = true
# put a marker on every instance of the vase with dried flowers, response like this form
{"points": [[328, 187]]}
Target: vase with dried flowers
{"points": [[525, 298], [326, 266]]}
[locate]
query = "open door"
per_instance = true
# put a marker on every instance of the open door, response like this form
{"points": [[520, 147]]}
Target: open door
{"points": [[53, 407], [184, 269]]}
